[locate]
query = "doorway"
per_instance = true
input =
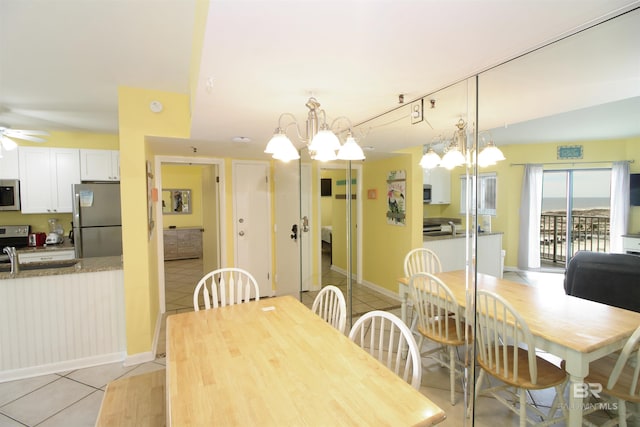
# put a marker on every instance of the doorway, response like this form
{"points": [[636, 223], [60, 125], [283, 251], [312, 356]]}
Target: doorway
{"points": [[575, 214], [342, 226], [204, 176]]}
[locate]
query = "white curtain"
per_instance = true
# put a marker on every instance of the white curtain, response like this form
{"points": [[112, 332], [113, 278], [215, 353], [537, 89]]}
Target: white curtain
{"points": [[530, 209], [619, 204]]}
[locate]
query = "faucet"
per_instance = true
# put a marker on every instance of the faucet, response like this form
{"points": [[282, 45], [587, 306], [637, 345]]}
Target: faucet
{"points": [[453, 227], [13, 257]]}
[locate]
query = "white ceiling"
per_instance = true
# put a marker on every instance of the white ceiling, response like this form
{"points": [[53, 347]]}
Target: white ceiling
{"points": [[61, 62]]}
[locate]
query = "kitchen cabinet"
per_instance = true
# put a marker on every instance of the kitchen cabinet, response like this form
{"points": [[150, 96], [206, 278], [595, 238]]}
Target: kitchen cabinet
{"points": [[46, 177], [182, 243], [9, 165], [451, 252], [99, 165], [440, 180]]}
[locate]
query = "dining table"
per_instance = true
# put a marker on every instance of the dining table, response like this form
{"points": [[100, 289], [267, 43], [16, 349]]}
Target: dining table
{"points": [[274, 362], [574, 329]]}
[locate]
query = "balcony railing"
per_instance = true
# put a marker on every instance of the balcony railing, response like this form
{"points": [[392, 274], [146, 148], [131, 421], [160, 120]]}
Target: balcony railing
{"points": [[590, 233]]}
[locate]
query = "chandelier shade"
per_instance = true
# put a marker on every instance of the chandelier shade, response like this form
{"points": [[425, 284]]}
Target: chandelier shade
{"points": [[430, 159], [277, 143], [490, 155], [350, 150]]}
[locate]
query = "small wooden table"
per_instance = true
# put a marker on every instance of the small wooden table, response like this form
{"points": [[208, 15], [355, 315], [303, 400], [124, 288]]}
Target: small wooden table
{"points": [[274, 362], [575, 329]]}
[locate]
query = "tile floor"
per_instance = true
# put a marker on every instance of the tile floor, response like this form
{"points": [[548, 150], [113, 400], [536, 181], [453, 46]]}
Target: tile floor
{"points": [[73, 398]]}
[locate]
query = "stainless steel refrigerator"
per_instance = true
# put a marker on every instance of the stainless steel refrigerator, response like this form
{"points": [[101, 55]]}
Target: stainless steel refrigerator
{"points": [[97, 225]]}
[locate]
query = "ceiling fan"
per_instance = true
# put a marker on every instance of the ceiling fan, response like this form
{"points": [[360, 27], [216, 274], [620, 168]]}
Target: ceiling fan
{"points": [[7, 136]]}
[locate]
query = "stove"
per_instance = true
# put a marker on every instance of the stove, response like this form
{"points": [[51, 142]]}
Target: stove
{"points": [[14, 235]]}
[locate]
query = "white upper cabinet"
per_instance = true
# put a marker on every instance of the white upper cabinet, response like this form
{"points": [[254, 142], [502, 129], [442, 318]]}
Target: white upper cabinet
{"points": [[9, 165], [46, 178], [440, 180], [99, 165]]}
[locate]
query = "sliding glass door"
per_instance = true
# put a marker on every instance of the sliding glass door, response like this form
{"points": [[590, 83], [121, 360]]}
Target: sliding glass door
{"points": [[575, 214]]}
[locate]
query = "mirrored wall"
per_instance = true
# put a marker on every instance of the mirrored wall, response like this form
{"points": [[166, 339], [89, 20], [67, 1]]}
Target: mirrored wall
{"points": [[580, 94]]}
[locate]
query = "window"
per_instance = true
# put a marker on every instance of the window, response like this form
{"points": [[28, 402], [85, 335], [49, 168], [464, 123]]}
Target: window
{"points": [[487, 193]]}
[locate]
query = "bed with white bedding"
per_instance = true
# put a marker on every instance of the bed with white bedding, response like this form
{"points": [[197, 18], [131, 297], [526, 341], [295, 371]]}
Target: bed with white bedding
{"points": [[326, 233]]}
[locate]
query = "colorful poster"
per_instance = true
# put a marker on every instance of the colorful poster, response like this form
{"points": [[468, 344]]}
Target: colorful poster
{"points": [[396, 190]]}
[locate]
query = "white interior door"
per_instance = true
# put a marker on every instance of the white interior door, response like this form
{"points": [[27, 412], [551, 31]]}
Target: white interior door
{"points": [[290, 242], [252, 219]]}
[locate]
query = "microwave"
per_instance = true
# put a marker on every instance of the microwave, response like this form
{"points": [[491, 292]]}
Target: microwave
{"points": [[426, 193], [9, 195]]}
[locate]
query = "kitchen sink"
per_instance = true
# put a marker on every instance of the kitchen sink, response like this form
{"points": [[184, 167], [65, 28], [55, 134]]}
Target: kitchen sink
{"points": [[4, 267]]}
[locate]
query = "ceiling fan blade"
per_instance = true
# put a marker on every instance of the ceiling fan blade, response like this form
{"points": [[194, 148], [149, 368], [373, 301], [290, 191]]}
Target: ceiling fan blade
{"points": [[17, 132], [12, 134], [8, 144]]}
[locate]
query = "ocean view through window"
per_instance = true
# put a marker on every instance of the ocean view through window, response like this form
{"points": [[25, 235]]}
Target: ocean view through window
{"points": [[575, 214]]}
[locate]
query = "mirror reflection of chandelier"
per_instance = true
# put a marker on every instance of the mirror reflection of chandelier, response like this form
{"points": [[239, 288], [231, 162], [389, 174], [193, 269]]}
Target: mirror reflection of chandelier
{"points": [[321, 141], [456, 152]]}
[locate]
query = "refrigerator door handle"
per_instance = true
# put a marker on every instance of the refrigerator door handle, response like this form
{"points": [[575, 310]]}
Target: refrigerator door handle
{"points": [[77, 241], [76, 207]]}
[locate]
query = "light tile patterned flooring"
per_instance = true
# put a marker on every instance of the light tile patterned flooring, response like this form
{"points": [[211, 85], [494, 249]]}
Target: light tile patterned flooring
{"points": [[73, 398]]}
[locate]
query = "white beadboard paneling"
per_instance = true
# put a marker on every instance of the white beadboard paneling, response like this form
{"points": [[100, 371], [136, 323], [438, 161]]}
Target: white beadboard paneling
{"points": [[52, 320]]}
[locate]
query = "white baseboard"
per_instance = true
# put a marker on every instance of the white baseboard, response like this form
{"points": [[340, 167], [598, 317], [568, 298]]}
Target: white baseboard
{"points": [[138, 358], [370, 285], [67, 365]]}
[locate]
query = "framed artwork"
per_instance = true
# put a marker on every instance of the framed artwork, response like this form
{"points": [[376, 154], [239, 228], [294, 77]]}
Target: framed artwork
{"points": [[396, 201]]}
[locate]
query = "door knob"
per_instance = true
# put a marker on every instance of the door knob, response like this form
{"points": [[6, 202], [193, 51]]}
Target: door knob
{"points": [[294, 232]]}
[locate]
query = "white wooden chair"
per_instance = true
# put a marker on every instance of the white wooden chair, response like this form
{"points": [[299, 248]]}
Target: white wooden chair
{"points": [[225, 286], [440, 320], [420, 260], [506, 351], [331, 306], [386, 337], [619, 377]]}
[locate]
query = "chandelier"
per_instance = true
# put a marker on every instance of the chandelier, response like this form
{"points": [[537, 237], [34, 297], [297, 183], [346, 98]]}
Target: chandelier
{"points": [[321, 141], [456, 152]]}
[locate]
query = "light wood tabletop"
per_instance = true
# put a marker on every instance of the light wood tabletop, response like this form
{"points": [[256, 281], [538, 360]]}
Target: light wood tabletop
{"points": [[274, 362], [574, 329]]}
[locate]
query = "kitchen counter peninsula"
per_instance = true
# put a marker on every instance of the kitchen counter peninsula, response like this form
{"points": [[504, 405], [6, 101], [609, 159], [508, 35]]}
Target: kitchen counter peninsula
{"points": [[61, 319], [451, 251]]}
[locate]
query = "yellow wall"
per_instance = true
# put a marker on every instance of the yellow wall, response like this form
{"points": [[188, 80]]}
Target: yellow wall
{"points": [[38, 222], [385, 245], [136, 122], [188, 177]]}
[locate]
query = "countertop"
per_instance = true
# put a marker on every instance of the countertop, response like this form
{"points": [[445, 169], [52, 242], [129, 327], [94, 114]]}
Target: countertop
{"points": [[66, 245], [83, 265], [427, 238]]}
